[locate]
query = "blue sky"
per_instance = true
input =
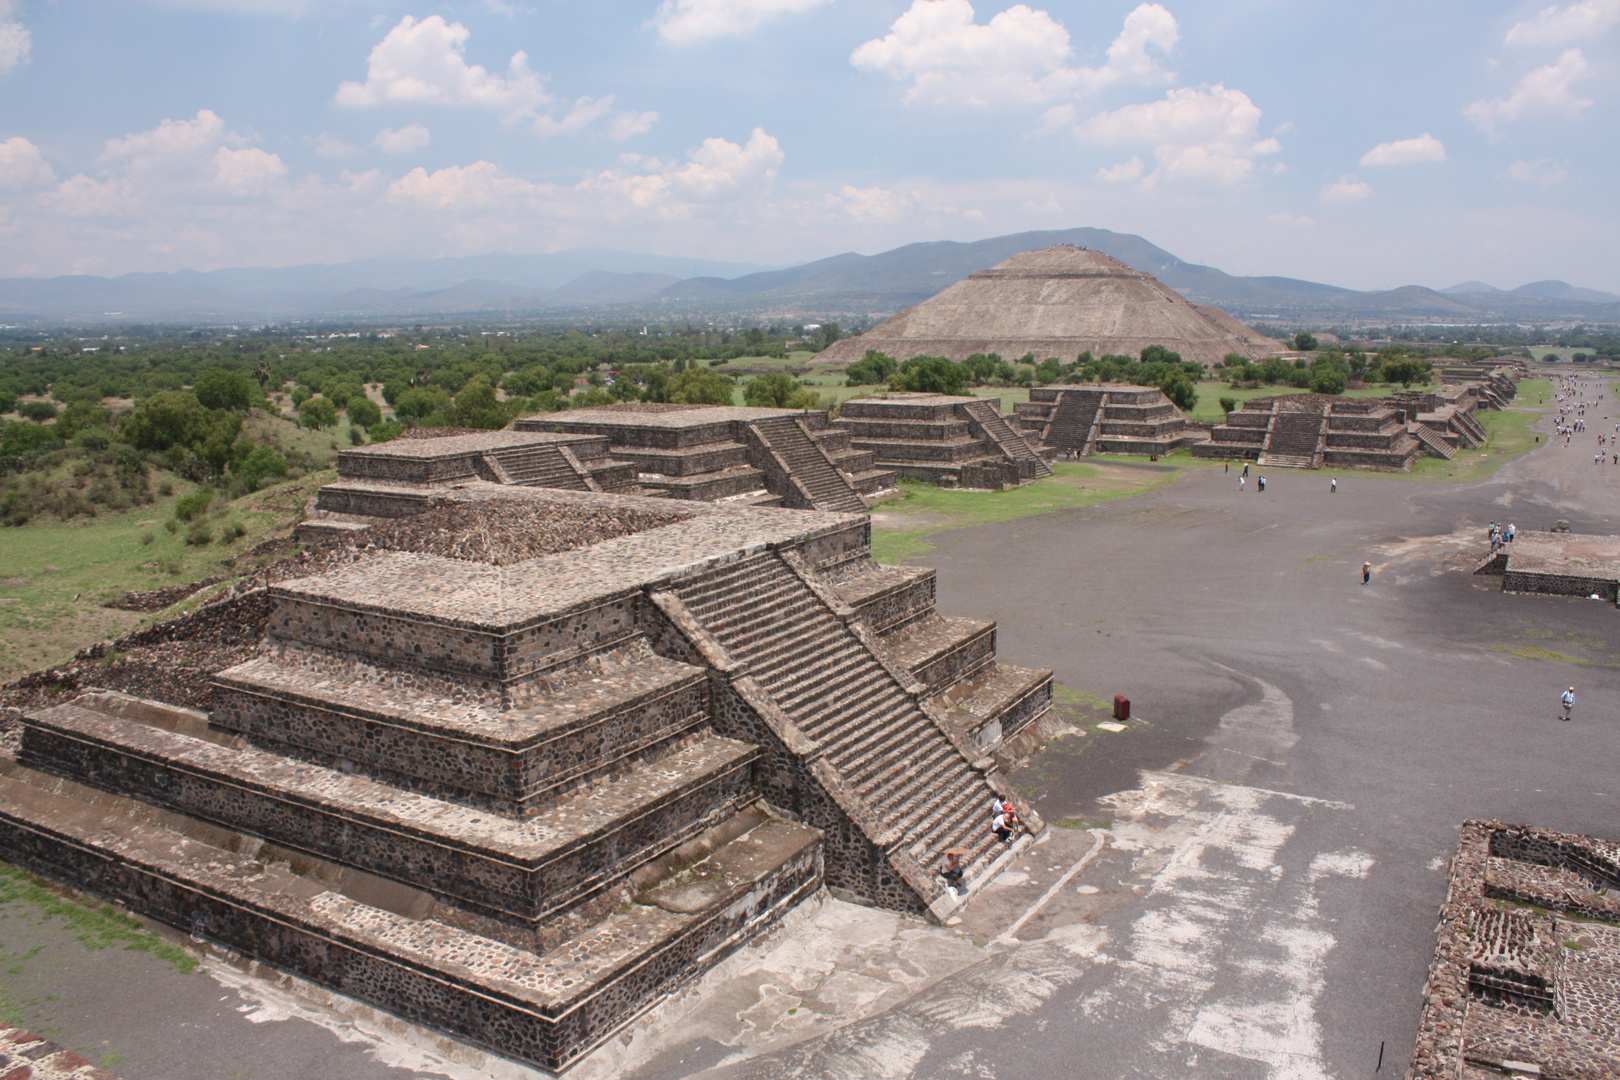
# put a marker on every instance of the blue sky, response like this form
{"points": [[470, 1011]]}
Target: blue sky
{"points": [[1371, 145]]}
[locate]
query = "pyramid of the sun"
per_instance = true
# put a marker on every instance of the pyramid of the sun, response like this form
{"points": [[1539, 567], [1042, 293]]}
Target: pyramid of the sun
{"points": [[1058, 301]]}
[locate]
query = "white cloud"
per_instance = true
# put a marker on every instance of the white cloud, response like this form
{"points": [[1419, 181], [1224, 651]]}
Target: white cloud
{"points": [[330, 146], [1123, 173], [1556, 25], [21, 166], [174, 146], [1347, 189], [691, 22], [872, 204], [1543, 92], [247, 172], [406, 139], [1019, 58], [15, 41], [717, 170], [1209, 134], [1424, 148], [421, 63], [1543, 171]]}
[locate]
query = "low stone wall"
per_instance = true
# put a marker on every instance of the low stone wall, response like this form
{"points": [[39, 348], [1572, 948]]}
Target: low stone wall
{"points": [[1526, 581]]}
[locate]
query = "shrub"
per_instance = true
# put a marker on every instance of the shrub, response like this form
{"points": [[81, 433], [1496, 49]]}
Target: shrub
{"points": [[264, 461], [193, 506], [172, 525], [874, 367], [696, 387], [147, 537], [414, 405], [201, 534], [19, 438], [38, 411], [1229, 404], [15, 508], [1180, 390], [233, 532], [8, 401], [772, 391], [300, 395], [381, 433], [94, 438]]}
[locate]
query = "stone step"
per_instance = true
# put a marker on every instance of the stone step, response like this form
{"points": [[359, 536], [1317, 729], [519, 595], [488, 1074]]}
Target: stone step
{"points": [[827, 486], [888, 597], [510, 761], [998, 704], [944, 649], [544, 1008], [568, 852]]}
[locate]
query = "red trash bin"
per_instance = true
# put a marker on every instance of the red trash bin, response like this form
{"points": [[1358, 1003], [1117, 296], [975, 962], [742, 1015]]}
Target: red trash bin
{"points": [[1122, 707]]}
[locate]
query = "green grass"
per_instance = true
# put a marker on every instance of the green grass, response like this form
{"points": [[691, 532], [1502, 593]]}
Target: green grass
{"points": [[95, 927], [55, 575], [1509, 436], [900, 529]]}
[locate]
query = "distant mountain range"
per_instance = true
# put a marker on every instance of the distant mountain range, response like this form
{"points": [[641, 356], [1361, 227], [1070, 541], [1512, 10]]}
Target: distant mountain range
{"points": [[614, 284]]}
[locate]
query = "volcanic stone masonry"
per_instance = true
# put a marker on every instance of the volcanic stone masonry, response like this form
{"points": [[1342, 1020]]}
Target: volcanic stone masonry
{"points": [[949, 441], [518, 799], [1526, 977], [1313, 431], [1557, 564], [1104, 418]]}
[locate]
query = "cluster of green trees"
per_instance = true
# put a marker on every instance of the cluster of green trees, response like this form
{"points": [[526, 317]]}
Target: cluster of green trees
{"points": [[1331, 371], [1155, 366]]}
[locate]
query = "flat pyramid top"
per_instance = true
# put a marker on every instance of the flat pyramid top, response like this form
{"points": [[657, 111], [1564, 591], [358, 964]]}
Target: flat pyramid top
{"points": [[1057, 261]]}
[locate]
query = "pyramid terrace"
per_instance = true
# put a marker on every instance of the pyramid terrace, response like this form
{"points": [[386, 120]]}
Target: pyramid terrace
{"points": [[519, 797]]}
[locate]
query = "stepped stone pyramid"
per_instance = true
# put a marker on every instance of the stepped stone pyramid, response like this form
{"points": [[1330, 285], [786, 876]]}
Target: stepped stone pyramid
{"points": [[1103, 418], [1313, 431], [520, 798], [945, 440], [1058, 301], [756, 456]]}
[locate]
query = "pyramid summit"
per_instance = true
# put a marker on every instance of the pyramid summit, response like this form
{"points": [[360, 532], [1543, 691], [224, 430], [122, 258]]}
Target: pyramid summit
{"points": [[1058, 301]]}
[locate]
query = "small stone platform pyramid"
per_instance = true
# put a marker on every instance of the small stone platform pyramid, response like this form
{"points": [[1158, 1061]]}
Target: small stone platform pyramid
{"points": [[1058, 301], [520, 798], [942, 439], [1103, 418]]}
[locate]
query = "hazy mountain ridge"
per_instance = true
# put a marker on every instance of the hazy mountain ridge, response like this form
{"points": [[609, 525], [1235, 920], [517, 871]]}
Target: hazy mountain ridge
{"points": [[585, 281]]}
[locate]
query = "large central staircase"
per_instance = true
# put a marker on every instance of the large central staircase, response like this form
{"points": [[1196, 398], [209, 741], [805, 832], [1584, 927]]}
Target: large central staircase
{"points": [[991, 425], [1295, 440], [826, 487], [1073, 421], [871, 727]]}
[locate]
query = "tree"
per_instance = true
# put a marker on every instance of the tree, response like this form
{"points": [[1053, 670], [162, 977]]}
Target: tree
{"points": [[476, 406], [830, 333], [416, 404], [341, 393], [1229, 404], [317, 412], [931, 375], [1158, 354], [770, 391], [874, 367], [363, 412], [1405, 370], [264, 461], [166, 419], [694, 386], [37, 411], [1180, 390], [217, 388], [1304, 342]]}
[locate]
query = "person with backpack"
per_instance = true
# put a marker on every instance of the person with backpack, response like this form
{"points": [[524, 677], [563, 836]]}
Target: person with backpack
{"points": [[1567, 699]]}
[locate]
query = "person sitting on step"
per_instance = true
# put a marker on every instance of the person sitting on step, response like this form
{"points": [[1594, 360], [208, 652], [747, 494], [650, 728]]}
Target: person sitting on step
{"points": [[1005, 825]]}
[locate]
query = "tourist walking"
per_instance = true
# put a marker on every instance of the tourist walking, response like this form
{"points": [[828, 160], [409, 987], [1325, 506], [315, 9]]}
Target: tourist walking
{"points": [[1366, 572], [1567, 699], [1262, 485], [1241, 480], [1333, 486]]}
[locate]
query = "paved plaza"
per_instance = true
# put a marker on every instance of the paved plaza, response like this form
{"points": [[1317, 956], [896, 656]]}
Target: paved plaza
{"points": [[1241, 884]]}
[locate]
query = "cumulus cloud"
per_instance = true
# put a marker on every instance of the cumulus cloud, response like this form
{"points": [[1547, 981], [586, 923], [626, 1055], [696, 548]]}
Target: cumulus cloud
{"points": [[1123, 173], [1347, 189], [717, 170], [21, 166], [404, 141], [1020, 57], [1544, 172], [421, 62], [1555, 25], [1424, 148], [872, 204], [1546, 91], [691, 22], [15, 41], [1204, 134]]}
